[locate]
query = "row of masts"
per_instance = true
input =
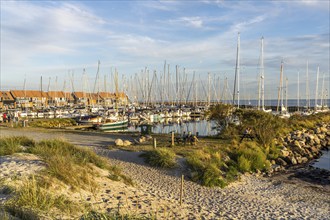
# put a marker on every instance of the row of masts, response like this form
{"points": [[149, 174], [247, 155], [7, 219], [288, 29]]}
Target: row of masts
{"points": [[150, 87]]}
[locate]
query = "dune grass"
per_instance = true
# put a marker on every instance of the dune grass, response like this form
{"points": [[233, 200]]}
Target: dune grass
{"points": [[11, 145], [67, 166], [32, 195], [161, 157]]}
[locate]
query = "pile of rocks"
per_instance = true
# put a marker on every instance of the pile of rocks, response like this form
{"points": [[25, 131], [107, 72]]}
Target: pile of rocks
{"points": [[300, 147], [142, 139]]}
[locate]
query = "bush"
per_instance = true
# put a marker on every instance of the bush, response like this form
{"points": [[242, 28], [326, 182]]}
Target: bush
{"points": [[11, 145], [252, 159], [208, 168], [244, 165], [162, 157], [212, 176]]}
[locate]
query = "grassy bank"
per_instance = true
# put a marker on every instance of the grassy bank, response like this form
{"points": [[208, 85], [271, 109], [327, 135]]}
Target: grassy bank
{"points": [[220, 160]]}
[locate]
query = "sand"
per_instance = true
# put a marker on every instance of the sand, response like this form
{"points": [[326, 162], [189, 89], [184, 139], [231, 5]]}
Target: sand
{"points": [[156, 191]]}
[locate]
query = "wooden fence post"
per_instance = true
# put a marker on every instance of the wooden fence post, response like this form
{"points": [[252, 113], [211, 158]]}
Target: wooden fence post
{"points": [[172, 140], [181, 190], [155, 143]]}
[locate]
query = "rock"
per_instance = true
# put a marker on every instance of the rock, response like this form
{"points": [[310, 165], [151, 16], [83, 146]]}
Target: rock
{"points": [[323, 129], [148, 137], [304, 160], [127, 143], [298, 159], [317, 130], [285, 153], [316, 140], [141, 140], [281, 162], [119, 142], [277, 168], [293, 161]]}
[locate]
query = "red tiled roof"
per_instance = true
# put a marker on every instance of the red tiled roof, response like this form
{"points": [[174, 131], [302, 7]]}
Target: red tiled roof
{"points": [[28, 93], [56, 94], [6, 95]]}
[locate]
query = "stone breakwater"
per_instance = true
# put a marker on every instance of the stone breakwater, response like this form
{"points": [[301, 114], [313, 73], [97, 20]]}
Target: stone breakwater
{"points": [[300, 147]]}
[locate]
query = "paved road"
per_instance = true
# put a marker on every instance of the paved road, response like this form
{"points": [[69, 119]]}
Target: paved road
{"points": [[95, 139]]}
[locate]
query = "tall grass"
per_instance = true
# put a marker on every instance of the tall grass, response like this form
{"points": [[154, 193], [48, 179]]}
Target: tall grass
{"points": [[32, 198], [162, 157], [69, 163], [209, 169], [251, 157], [11, 145]]}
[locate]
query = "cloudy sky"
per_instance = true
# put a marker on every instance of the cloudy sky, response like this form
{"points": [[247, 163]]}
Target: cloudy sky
{"points": [[54, 38]]}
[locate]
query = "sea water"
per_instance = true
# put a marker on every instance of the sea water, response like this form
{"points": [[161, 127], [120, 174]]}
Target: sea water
{"points": [[324, 161]]}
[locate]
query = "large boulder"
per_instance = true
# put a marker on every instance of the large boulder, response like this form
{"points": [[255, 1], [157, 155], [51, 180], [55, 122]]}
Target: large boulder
{"points": [[127, 143], [119, 142]]}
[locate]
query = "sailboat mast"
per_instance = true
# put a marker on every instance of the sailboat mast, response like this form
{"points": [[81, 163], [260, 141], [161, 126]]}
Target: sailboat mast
{"points": [[261, 99], [236, 81], [322, 92], [317, 86], [262, 75], [286, 93], [298, 93], [280, 89], [307, 88]]}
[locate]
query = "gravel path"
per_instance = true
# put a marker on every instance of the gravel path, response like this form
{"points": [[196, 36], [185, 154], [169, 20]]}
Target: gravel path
{"points": [[279, 197]]}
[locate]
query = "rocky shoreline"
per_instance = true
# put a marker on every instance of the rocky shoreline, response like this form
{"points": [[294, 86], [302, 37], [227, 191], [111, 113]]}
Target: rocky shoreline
{"points": [[302, 147]]}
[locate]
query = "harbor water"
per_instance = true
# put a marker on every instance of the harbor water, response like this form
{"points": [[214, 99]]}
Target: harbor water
{"points": [[324, 161], [203, 127]]}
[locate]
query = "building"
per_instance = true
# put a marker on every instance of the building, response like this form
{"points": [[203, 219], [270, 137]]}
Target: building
{"points": [[6, 100]]}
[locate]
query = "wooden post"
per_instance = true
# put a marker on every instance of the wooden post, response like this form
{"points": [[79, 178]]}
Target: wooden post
{"points": [[172, 142], [181, 190], [155, 143]]}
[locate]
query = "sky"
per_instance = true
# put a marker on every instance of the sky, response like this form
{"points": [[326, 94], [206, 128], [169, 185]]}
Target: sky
{"points": [[57, 40]]}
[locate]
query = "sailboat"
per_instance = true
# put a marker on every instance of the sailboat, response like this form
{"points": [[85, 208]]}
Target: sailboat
{"points": [[114, 122], [322, 107]]}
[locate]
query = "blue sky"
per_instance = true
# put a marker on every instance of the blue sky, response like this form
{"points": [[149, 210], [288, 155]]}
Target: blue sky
{"points": [[52, 38]]}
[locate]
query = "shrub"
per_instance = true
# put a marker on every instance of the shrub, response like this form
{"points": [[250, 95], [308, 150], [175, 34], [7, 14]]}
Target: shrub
{"points": [[264, 126], [253, 158], [207, 168], [11, 145], [212, 176], [161, 157], [244, 165]]}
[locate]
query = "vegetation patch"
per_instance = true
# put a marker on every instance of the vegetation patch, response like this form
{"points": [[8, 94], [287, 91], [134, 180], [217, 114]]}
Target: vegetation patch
{"points": [[209, 169], [52, 123], [15, 144], [34, 196], [67, 167], [162, 157]]}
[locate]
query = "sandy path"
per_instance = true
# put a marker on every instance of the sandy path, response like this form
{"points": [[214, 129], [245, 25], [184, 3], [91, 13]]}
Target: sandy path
{"points": [[252, 198]]}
